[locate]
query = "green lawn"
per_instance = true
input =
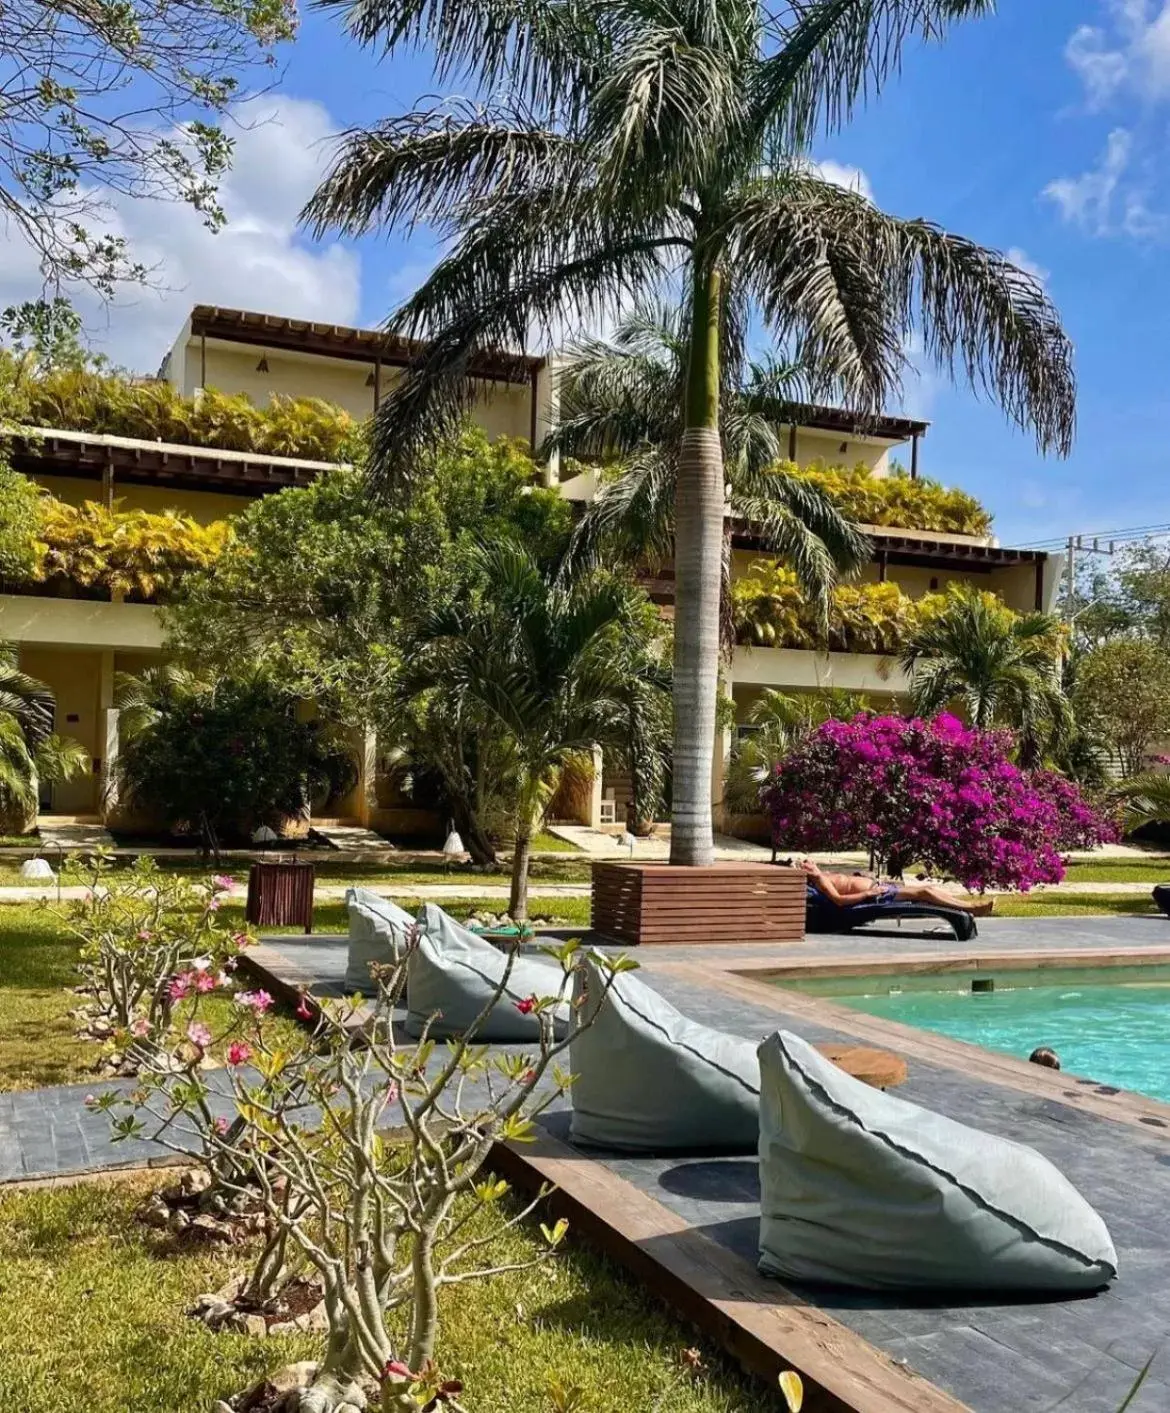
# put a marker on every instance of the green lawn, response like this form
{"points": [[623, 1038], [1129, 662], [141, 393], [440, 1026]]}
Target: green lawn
{"points": [[101, 1325], [1152, 870], [1056, 904], [37, 1041]]}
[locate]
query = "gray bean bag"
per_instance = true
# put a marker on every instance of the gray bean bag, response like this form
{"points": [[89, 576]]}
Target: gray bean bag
{"points": [[453, 972], [377, 933], [860, 1188], [647, 1079]]}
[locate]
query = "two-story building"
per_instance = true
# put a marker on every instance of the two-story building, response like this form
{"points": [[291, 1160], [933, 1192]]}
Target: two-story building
{"points": [[77, 641]]}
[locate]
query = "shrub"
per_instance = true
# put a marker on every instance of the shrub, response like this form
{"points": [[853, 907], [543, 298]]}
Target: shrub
{"points": [[771, 610], [933, 792], [132, 552], [20, 526], [88, 400], [897, 501], [223, 757], [383, 1227]]}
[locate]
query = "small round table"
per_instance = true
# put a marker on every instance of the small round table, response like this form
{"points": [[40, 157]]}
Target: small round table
{"points": [[881, 1068]]}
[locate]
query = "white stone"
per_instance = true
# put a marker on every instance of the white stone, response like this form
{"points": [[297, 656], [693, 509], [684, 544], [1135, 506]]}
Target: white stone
{"points": [[37, 868]]}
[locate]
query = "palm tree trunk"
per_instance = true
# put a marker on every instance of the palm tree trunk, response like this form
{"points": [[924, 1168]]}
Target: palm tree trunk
{"points": [[698, 546], [518, 902]]}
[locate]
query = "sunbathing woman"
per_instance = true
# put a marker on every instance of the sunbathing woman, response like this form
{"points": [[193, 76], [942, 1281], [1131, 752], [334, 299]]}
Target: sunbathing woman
{"points": [[846, 888]]}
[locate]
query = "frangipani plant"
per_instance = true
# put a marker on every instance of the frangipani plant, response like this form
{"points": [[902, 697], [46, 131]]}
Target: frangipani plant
{"points": [[370, 1160]]}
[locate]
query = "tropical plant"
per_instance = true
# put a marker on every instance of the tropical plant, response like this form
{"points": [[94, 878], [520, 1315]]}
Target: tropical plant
{"points": [[542, 660], [994, 667], [133, 552], [30, 751], [222, 755], [660, 141], [641, 659], [1144, 799], [896, 500], [88, 399], [1123, 687], [21, 514], [370, 1161], [623, 398], [769, 609], [777, 722], [938, 793]]}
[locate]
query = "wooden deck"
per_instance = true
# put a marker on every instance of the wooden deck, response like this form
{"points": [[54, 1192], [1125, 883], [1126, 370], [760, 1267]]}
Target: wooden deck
{"points": [[688, 1227]]}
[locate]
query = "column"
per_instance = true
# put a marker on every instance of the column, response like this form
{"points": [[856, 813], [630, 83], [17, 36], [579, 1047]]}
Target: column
{"points": [[547, 412], [107, 737], [365, 795], [721, 757]]}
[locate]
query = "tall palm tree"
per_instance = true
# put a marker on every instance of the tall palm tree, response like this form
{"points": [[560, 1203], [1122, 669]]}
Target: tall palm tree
{"points": [[539, 657], [997, 668], [622, 398], [644, 144]]}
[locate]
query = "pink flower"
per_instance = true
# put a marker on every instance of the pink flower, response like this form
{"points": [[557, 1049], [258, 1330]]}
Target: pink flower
{"points": [[241, 939], [239, 1052], [258, 1001], [527, 1006], [221, 882], [144, 935], [304, 1010], [392, 1093], [90, 1101], [395, 1369], [220, 1126], [140, 1026], [214, 903], [528, 1077], [198, 1034], [180, 986], [204, 982]]}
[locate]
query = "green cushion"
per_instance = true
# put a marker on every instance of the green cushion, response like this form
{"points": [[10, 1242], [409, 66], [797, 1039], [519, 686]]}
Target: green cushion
{"points": [[453, 972], [377, 933], [648, 1079], [860, 1188]]}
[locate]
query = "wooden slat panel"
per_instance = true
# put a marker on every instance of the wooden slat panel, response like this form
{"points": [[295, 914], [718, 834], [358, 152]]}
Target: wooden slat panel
{"points": [[656, 903]]}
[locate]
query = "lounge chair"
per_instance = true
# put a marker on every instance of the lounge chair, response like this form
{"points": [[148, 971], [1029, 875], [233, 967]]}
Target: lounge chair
{"points": [[823, 915], [1162, 898]]}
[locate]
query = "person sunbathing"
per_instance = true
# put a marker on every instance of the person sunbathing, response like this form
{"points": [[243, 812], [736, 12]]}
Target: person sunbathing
{"points": [[845, 889]]}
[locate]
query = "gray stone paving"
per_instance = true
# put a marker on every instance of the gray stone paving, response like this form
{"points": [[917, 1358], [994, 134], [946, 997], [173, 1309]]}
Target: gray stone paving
{"points": [[1080, 1356]]}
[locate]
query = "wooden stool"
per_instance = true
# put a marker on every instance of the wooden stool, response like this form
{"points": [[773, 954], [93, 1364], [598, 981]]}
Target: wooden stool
{"points": [[280, 894], [880, 1068]]}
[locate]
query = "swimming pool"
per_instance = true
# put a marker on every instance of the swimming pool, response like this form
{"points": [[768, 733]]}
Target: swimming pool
{"points": [[1115, 1030]]}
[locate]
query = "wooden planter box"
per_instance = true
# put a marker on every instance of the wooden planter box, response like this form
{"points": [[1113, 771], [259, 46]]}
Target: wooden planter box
{"points": [[657, 903], [280, 894]]}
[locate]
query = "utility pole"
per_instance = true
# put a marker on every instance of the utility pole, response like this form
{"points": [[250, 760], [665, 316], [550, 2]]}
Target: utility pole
{"points": [[1074, 546]]}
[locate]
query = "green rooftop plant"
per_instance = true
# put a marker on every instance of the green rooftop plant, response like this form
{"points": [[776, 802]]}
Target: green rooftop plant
{"points": [[107, 403], [896, 501]]}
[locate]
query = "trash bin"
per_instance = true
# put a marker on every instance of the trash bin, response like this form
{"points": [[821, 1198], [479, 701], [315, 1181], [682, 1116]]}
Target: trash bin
{"points": [[280, 894]]}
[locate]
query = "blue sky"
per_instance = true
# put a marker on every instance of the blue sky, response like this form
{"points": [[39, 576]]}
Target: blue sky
{"points": [[1040, 130]]}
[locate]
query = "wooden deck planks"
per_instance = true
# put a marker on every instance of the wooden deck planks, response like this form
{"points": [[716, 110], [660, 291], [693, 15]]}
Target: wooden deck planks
{"points": [[759, 1322]]}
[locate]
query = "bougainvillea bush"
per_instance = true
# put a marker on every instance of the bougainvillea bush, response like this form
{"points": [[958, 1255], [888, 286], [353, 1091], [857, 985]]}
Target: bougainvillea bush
{"points": [[936, 793]]}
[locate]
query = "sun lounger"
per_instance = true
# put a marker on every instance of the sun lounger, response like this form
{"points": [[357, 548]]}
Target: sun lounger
{"points": [[823, 915], [1162, 898]]}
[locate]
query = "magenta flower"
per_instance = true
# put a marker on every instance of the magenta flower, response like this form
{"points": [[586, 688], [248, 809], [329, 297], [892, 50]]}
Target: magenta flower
{"points": [[220, 1126], [527, 1006], [180, 986], [198, 1034], [304, 1010], [395, 1369], [221, 882], [140, 1026], [239, 1052]]}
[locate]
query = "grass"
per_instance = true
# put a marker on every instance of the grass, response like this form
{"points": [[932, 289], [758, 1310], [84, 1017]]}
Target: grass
{"points": [[342, 874], [38, 1045], [1151, 871], [1056, 904], [101, 1324]]}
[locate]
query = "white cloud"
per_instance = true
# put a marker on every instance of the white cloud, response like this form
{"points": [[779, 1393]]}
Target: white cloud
{"points": [[1024, 261], [257, 261], [841, 174], [1131, 52], [1101, 201]]}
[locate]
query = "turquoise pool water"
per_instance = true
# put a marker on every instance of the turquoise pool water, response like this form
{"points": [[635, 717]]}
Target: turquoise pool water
{"points": [[1118, 1034]]}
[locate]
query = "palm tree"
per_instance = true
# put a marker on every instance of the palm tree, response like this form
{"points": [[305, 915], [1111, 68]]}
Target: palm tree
{"points": [[30, 750], [539, 657], [623, 398], [647, 144], [996, 667]]}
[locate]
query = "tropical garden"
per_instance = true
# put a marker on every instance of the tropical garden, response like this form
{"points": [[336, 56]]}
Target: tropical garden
{"points": [[430, 588]]}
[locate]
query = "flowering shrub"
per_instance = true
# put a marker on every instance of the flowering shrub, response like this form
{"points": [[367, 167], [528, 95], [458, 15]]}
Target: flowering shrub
{"points": [[382, 1226], [149, 940], [897, 501], [936, 792]]}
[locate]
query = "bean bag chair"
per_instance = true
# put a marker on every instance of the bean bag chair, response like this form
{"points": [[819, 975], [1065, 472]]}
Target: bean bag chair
{"points": [[454, 973], [859, 1188], [648, 1079], [377, 933]]}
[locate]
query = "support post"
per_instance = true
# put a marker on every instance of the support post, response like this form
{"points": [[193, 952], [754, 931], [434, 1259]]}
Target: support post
{"points": [[106, 766], [792, 442], [1039, 595], [595, 791], [377, 382], [365, 794], [721, 755], [202, 361], [914, 457]]}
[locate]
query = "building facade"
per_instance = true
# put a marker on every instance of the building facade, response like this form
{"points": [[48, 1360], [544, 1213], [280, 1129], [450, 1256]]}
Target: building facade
{"points": [[78, 641]]}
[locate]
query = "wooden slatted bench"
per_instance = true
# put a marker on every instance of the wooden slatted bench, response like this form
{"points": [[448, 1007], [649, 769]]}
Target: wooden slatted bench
{"points": [[647, 903]]}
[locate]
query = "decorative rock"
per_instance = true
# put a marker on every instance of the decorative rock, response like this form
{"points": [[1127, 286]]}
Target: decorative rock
{"points": [[207, 1226], [197, 1180], [178, 1221], [156, 1214], [219, 1406], [282, 1327], [293, 1376], [256, 1326], [37, 868]]}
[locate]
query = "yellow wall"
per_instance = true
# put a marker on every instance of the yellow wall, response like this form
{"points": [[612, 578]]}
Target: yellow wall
{"points": [[839, 449], [204, 506], [503, 409]]}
